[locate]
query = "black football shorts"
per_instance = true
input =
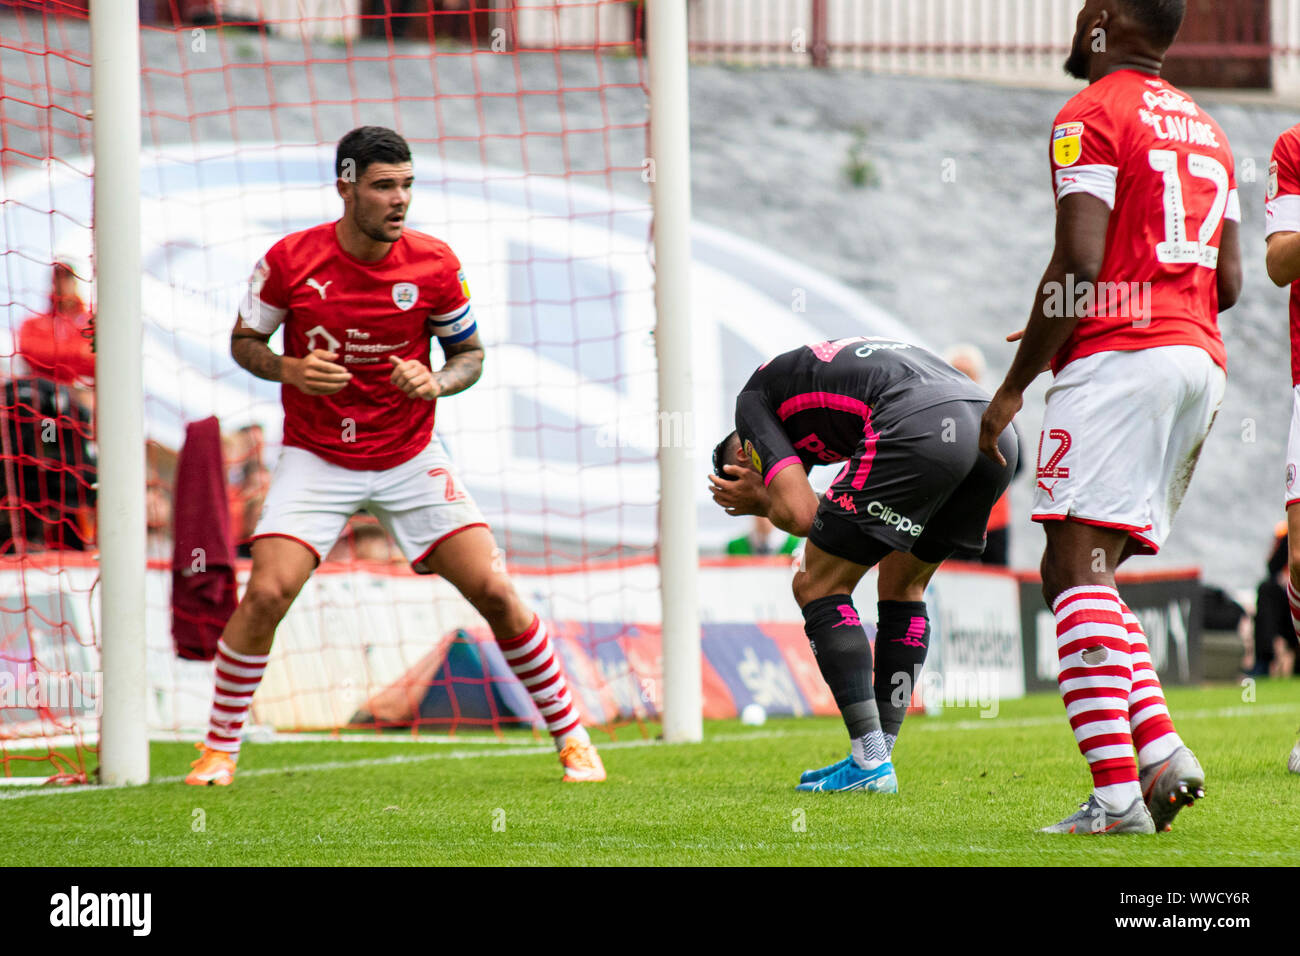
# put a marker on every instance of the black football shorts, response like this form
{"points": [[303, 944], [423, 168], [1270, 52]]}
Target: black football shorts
{"points": [[920, 485]]}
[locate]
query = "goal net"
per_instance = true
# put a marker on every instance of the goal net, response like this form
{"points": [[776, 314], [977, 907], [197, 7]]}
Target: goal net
{"points": [[528, 122]]}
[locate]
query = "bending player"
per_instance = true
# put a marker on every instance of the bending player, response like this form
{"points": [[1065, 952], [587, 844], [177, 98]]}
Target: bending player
{"points": [[361, 300], [915, 490], [1147, 245]]}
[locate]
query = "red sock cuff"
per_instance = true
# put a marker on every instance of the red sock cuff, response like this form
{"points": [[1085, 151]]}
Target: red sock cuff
{"points": [[1106, 773], [529, 633]]}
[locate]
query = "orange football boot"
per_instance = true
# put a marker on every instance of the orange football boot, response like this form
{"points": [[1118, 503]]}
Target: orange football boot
{"points": [[213, 768], [581, 762]]}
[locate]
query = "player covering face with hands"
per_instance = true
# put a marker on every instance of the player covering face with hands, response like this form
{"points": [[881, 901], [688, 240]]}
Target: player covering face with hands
{"points": [[361, 301], [914, 489]]}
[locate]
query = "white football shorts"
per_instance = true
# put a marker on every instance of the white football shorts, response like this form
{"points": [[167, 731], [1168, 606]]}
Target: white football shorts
{"points": [[1293, 450], [418, 502], [1121, 437]]}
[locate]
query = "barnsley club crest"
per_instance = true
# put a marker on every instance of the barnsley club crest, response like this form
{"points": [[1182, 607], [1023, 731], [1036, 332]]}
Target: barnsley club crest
{"points": [[405, 294]]}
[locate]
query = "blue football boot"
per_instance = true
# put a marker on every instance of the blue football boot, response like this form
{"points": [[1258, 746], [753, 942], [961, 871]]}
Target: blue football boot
{"points": [[850, 776], [810, 776]]}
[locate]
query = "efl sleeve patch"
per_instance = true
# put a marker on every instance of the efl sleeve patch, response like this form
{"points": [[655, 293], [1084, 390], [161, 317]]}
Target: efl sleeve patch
{"points": [[1282, 204], [254, 309], [1067, 144], [763, 439]]}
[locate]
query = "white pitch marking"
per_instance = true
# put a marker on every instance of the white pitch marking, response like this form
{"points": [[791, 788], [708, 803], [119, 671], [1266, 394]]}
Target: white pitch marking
{"points": [[278, 737], [989, 724]]}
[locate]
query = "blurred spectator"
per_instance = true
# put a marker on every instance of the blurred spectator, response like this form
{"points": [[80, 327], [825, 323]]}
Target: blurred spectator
{"points": [[157, 504], [160, 471], [763, 538], [47, 497], [247, 480], [969, 360], [246, 506], [47, 469], [58, 344], [206, 13], [1275, 637], [242, 450], [429, 20], [364, 539]]}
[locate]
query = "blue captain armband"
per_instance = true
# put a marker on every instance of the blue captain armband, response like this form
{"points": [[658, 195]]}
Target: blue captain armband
{"points": [[455, 327]]}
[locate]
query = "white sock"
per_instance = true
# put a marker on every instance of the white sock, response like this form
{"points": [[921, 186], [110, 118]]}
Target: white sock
{"points": [[1118, 797], [579, 733], [870, 752], [1159, 750]]}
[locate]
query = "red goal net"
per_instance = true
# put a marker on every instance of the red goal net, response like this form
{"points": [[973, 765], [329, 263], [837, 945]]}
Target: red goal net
{"points": [[528, 122]]}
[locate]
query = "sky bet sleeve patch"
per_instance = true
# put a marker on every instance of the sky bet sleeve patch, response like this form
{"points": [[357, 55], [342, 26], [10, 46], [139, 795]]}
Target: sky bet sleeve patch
{"points": [[1067, 143]]}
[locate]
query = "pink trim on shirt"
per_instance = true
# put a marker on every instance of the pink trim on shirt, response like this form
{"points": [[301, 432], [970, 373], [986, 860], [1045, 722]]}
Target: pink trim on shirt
{"points": [[779, 466], [840, 403]]}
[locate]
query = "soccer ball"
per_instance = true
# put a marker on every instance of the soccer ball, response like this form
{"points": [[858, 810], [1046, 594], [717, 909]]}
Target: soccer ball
{"points": [[753, 715]]}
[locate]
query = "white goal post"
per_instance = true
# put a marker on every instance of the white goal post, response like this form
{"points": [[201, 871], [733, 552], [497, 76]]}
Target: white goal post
{"points": [[670, 146], [116, 79], [115, 100]]}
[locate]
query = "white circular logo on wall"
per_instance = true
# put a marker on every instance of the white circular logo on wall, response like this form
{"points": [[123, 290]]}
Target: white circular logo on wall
{"points": [[566, 314], [405, 294]]}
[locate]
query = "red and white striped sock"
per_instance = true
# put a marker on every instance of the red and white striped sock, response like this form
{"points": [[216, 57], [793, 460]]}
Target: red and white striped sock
{"points": [[1293, 598], [1148, 714], [533, 661], [1095, 680], [237, 678]]}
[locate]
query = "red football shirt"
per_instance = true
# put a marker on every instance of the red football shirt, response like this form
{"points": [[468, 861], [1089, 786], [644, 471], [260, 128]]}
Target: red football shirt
{"points": [[364, 311], [1165, 168], [57, 346], [1283, 215]]}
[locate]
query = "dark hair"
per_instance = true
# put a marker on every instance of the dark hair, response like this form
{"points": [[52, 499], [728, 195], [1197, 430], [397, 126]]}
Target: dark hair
{"points": [[721, 458], [370, 144], [1161, 18]]}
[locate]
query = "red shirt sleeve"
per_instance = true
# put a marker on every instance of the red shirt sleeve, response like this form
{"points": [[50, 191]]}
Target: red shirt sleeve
{"points": [[1282, 205], [451, 291], [1084, 151], [452, 318], [266, 301]]}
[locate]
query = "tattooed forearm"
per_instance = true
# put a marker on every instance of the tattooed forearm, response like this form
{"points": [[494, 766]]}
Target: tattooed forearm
{"points": [[253, 354], [460, 372]]}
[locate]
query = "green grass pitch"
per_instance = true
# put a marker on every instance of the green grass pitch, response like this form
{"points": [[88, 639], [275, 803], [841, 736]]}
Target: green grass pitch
{"points": [[973, 792]]}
